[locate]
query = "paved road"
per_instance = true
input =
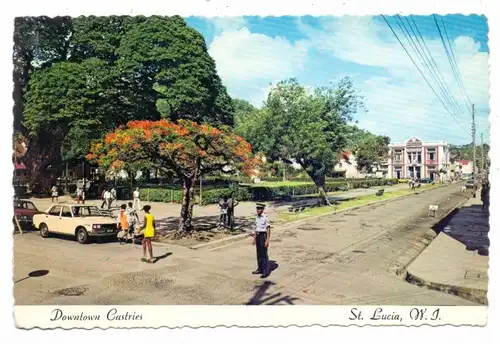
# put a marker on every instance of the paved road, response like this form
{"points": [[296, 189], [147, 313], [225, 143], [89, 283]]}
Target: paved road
{"points": [[340, 259]]}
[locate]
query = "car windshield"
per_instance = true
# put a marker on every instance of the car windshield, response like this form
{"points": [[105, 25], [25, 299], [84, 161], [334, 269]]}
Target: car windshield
{"points": [[24, 205], [86, 211]]}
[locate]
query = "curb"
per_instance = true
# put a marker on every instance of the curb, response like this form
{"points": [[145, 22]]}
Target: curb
{"points": [[403, 271], [471, 294], [239, 237]]}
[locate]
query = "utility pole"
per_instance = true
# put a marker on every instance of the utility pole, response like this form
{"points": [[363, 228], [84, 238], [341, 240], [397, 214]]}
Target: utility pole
{"points": [[473, 151]]}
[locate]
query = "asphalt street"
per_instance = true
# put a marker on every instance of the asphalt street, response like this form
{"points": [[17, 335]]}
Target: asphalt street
{"points": [[349, 258]]}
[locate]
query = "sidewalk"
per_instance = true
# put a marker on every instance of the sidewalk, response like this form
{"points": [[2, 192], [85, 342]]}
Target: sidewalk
{"points": [[163, 210], [457, 260]]}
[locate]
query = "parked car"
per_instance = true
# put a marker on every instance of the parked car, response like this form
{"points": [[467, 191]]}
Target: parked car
{"points": [[79, 220], [24, 210], [469, 184]]}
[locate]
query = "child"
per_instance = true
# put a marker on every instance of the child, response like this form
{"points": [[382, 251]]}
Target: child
{"points": [[148, 229], [223, 210], [133, 217], [124, 222]]}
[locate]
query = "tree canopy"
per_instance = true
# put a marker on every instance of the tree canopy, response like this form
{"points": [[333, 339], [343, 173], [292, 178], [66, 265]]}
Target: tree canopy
{"points": [[92, 74], [308, 127], [186, 148]]}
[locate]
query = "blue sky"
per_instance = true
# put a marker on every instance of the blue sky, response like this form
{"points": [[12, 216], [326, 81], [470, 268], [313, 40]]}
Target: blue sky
{"points": [[253, 53]]}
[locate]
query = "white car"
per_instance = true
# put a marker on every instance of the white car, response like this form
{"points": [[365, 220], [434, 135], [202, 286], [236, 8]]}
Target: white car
{"points": [[79, 220]]}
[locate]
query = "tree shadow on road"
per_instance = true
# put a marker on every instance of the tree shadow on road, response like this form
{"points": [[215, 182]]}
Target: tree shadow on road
{"points": [[169, 225], [263, 297]]}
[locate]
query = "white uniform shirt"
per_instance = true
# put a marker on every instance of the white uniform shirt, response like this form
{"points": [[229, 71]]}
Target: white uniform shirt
{"points": [[136, 194], [107, 195], [261, 223]]}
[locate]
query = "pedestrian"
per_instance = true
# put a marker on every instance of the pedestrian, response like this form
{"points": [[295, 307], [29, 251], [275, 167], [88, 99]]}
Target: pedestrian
{"points": [[137, 199], [231, 204], [113, 197], [103, 197], [55, 194], [124, 222], [261, 237], [79, 192], [223, 211], [485, 196], [148, 229], [133, 217]]}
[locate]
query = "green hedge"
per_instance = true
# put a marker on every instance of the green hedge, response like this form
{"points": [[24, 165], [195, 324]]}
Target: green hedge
{"points": [[259, 192]]}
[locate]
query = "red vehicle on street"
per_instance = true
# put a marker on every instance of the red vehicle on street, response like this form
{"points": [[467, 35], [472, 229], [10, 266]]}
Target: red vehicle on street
{"points": [[24, 211]]}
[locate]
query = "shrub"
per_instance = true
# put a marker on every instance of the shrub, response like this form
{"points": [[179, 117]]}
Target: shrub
{"points": [[161, 195], [214, 195]]}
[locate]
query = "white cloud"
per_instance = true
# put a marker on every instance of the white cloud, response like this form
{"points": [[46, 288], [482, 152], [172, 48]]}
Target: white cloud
{"points": [[248, 62], [403, 104]]}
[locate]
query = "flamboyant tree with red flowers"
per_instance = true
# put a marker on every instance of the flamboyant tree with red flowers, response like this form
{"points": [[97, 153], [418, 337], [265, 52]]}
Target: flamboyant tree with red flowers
{"points": [[185, 148]]}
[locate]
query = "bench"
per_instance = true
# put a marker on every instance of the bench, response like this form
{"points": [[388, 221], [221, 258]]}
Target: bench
{"points": [[299, 206], [379, 192], [365, 186]]}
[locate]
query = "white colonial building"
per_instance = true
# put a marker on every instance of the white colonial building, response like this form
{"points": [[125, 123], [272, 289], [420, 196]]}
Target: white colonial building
{"points": [[418, 159]]}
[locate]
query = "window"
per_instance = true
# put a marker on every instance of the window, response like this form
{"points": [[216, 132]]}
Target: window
{"points": [[419, 157], [431, 153], [398, 155], [55, 210], [66, 212], [86, 211]]}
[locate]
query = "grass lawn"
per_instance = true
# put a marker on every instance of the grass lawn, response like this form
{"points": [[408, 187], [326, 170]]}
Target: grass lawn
{"points": [[362, 200]]}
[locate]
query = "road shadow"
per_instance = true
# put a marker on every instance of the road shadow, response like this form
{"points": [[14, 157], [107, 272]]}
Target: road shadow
{"points": [[34, 274], [262, 296], [163, 256], [165, 226], [468, 225]]}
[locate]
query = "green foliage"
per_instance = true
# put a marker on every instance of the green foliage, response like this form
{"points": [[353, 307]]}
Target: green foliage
{"points": [[164, 59], [214, 195], [370, 151], [310, 128]]}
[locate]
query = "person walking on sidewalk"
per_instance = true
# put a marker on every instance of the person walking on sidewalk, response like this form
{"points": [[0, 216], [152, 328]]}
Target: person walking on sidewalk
{"points": [[55, 194], [137, 199], [261, 237]]}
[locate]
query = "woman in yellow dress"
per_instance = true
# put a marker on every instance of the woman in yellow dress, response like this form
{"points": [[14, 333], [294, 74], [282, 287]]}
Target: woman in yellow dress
{"points": [[148, 229]]}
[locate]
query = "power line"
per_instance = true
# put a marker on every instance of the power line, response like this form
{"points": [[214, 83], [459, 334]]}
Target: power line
{"points": [[461, 84], [422, 74], [435, 67], [430, 64], [448, 54]]}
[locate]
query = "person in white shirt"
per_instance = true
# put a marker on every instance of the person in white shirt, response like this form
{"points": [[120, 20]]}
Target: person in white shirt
{"points": [[137, 199], [55, 194], [113, 197], [261, 237], [107, 198]]}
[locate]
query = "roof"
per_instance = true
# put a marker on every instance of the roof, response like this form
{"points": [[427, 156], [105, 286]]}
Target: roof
{"points": [[464, 162], [19, 166]]}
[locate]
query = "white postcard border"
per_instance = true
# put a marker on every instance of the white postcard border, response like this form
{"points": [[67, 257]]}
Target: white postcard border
{"points": [[257, 7]]}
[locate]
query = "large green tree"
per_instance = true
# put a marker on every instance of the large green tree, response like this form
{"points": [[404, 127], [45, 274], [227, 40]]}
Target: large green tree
{"points": [[166, 63], [67, 101], [310, 128], [94, 73], [370, 151]]}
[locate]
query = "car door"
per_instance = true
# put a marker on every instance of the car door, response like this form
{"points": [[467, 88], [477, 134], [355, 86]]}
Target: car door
{"points": [[66, 223], [52, 218]]}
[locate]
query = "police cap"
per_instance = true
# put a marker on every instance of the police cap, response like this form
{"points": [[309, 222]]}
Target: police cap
{"points": [[260, 205]]}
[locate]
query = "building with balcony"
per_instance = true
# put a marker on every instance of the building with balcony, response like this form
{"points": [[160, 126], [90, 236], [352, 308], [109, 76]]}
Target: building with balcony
{"points": [[418, 159]]}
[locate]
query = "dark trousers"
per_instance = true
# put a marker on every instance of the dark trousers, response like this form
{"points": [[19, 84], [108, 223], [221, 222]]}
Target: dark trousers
{"points": [[230, 218], [262, 257]]}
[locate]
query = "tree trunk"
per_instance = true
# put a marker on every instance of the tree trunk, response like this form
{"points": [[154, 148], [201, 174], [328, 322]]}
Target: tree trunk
{"points": [[185, 223]]}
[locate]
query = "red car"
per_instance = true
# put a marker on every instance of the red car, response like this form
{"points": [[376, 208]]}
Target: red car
{"points": [[24, 211]]}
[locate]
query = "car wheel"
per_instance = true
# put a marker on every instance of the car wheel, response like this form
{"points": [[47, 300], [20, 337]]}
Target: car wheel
{"points": [[44, 230], [82, 236]]}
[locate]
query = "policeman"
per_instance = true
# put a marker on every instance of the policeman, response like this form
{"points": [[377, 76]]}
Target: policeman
{"points": [[261, 238]]}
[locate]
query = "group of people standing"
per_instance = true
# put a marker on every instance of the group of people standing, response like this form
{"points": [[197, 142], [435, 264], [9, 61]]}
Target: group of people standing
{"points": [[129, 225], [227, 205]]}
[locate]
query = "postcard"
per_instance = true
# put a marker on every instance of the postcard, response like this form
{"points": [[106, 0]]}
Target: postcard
{"points": [[175, 170]]}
